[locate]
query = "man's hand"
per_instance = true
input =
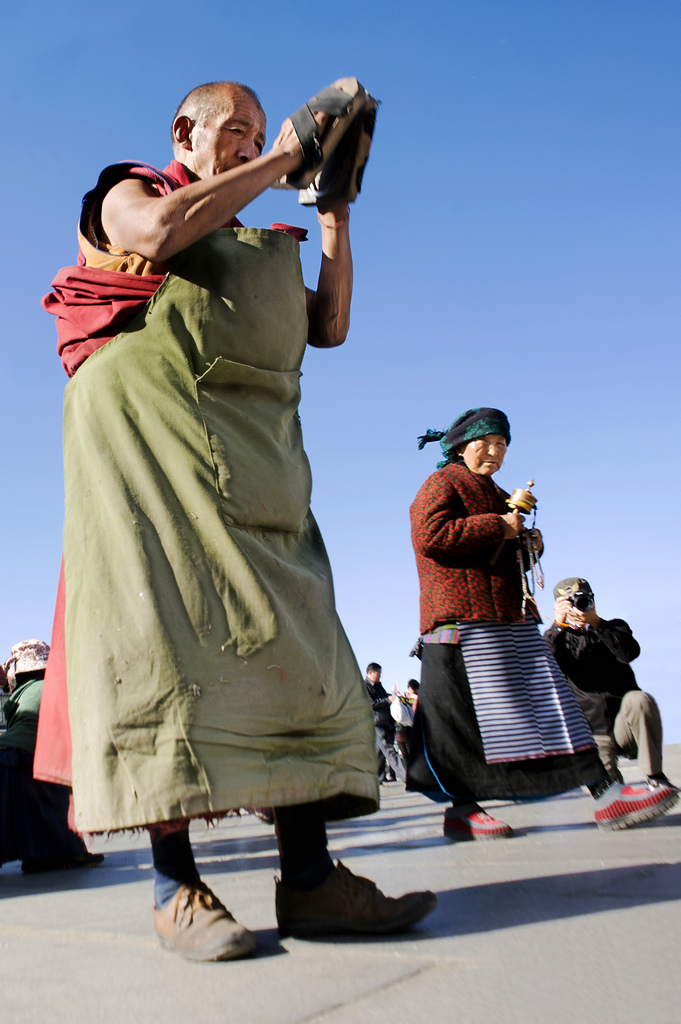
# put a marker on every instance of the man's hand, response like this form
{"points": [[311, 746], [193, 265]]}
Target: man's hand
{"points": [[561, 609], [288, 144], [287, 140], [512, 524], [564, 611], [577, 618]]}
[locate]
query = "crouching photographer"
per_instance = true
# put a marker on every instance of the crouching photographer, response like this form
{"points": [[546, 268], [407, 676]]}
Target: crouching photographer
{"points": [[594, 655]]}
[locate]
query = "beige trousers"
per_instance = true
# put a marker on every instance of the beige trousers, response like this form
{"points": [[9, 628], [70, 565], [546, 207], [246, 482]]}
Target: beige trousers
{"points": [[637, 733]]}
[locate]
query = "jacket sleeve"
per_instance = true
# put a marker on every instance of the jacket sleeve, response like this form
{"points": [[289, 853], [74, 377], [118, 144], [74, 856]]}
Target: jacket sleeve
{"points": [[441, 530], [377, 702], [618, 638]]}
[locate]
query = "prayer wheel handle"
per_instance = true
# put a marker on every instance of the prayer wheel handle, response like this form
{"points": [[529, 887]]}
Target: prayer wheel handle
{"points": [[521, 500]]}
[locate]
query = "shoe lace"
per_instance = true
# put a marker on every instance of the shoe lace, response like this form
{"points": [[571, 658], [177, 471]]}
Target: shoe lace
{"points": [[194, 898], [357, 887]]}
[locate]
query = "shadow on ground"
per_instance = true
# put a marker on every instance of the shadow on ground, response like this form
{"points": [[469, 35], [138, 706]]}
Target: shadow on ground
{"points": [[508, 904]]}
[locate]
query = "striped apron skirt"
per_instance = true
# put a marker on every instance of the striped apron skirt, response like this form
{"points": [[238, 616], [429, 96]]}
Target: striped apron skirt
{"points": [[497, 719]]}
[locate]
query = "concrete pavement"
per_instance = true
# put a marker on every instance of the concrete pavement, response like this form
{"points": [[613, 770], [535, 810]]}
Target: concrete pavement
{"points": [[559, 925]]}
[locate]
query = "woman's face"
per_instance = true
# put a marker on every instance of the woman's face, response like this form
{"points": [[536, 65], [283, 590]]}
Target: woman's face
{"points": [[485, 455]]}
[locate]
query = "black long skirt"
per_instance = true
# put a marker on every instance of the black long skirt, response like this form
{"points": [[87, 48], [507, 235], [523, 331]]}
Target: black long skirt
{"points": [[446, 751], [33, 814]]}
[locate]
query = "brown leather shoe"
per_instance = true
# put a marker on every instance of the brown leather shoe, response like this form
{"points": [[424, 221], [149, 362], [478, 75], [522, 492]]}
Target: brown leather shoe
{"points": [[197, 926], [346, 904]]}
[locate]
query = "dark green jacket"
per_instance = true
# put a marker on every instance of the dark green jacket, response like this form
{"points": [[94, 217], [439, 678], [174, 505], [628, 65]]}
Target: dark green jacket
{"points": [[21, 715]]}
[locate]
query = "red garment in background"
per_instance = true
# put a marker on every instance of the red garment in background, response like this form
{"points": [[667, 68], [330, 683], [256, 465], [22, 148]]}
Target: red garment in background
{"points": [[92, 306], [52, 760]]}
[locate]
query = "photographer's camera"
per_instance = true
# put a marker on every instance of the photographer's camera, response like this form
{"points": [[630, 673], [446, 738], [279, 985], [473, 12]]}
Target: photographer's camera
{"points": [[582, 600]]}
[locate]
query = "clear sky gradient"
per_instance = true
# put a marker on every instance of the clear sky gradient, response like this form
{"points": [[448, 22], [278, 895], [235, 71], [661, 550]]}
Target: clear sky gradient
{"points": [[516, 244]]}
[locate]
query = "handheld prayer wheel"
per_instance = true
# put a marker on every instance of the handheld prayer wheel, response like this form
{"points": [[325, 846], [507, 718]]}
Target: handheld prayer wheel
{"points": [[523, 500]]}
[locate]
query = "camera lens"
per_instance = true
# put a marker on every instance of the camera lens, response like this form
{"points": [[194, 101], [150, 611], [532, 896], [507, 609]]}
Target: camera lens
{"points": [[583, 602]]}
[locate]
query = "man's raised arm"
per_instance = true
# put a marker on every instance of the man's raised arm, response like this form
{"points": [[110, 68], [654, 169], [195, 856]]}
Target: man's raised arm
{"points": [[135, 218], [328, 309]]}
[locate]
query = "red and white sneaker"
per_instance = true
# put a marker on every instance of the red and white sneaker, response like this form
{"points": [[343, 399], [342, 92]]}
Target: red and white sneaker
{"points": [[623, 805], [471, 822]]}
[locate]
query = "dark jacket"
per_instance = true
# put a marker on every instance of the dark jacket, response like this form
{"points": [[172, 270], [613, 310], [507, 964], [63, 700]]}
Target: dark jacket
{"points": [[380, 702], [596, 664], [21, 715]]}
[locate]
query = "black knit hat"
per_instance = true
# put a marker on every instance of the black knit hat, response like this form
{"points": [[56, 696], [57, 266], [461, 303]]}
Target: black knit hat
{"points": [[469, 426]]}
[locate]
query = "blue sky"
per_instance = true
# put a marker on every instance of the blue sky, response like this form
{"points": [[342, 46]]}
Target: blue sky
{"points": [[516, 244]]}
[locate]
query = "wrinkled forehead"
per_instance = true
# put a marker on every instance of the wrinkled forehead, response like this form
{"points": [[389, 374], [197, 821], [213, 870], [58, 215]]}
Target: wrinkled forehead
{"points": [[237, 104]]}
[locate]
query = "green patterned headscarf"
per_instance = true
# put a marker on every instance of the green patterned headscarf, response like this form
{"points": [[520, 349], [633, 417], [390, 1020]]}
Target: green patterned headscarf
{"points": [[470, 425]]}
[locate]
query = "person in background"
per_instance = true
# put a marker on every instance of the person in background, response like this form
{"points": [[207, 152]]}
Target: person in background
{"points": [[389, 766], [595, 655], [33, 815], [403, 731]]}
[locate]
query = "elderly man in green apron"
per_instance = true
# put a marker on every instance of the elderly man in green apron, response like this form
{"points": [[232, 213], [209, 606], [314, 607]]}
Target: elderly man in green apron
{"points": [[206, 666]]}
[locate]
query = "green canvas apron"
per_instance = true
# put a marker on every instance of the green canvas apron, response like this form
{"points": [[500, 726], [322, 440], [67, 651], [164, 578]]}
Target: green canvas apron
{"points": [[207, 668]]}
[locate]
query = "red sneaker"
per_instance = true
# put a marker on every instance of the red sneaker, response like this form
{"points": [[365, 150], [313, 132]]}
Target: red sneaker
{"points": [[622, 805], [471, 822]]}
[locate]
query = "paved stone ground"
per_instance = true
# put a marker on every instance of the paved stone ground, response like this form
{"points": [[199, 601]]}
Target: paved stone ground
{"points": [[562, 924]]}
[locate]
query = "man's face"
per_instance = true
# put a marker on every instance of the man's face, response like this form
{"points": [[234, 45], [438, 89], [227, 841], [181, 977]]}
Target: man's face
{"points": [[232, 136], [374, 676]]}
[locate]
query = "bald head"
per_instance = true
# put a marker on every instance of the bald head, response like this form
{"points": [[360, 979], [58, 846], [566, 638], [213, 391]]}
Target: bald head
{"points": [[207, 102]]}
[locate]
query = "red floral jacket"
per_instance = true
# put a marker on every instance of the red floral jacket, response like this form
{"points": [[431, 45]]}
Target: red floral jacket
{"points": [[455, 529]]}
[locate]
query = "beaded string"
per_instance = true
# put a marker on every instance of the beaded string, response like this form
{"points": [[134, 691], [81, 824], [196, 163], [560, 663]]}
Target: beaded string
{"points": [[535, 570]]}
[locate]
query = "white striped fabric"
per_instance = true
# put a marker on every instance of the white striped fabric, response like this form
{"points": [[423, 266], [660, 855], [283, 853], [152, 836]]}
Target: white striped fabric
{"points": [[524, 706]]}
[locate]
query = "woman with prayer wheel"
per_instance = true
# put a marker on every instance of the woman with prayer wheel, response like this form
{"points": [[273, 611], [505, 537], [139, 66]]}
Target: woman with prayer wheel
{"points": [[496, 718]]}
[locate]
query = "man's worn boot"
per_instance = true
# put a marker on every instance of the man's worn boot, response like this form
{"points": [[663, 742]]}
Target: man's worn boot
{"points": [[346, 904]]}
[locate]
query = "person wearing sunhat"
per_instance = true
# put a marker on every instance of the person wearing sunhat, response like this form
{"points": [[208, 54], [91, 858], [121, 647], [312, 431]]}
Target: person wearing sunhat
{"points": [[595, 655], [496, 718], [33, 814]]}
